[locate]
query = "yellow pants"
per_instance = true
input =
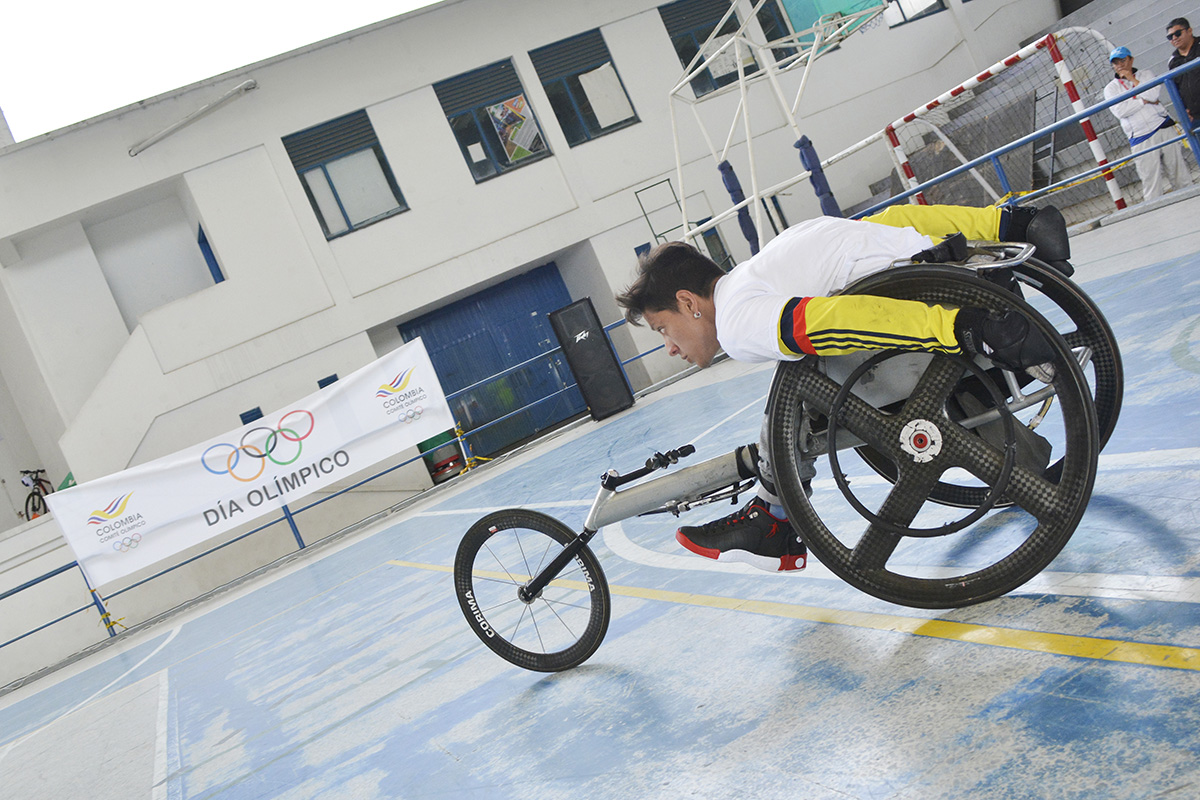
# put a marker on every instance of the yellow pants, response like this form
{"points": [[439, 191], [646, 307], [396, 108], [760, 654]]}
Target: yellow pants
{"points": [[981, 224], [832, 326]]}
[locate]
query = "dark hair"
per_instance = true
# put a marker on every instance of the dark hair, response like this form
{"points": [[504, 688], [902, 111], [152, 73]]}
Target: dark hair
{"points": [[664, 271], [1180, 21]]}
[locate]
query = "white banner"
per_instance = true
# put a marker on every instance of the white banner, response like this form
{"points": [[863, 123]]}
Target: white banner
{"points": [[130, 520]]}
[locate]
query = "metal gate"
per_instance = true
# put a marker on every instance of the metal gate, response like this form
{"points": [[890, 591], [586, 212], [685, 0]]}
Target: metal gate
{"points": [[479, 336]]}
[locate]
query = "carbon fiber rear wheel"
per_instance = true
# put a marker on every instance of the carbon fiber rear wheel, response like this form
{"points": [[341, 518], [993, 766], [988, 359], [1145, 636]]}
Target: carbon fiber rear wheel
{"points": [[1081, 324], [991, 557]]}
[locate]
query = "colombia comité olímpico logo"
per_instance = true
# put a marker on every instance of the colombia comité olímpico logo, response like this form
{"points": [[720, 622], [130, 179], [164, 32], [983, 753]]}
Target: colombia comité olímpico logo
{"points": [[118, 524], [398, 398]]}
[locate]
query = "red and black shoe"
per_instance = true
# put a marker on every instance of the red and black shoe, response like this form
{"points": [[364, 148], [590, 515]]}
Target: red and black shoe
{"points": [[752, 536]]}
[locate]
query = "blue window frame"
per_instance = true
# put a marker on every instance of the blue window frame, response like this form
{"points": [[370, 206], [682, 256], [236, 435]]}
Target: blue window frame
{"points": [[585, 91], [345, 174], [689, 23], [774, 26], [716, 247], [902, 11], [492, 121], [210, 258]]}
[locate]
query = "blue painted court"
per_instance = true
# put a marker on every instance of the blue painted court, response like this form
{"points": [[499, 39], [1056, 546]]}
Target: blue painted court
{"points": [[350, 673]]}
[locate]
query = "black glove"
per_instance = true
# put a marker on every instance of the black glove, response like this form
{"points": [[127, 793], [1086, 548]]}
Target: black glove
{"points": [[952, 249]]}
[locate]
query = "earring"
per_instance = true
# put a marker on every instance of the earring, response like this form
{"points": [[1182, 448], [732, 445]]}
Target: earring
{"points": [[696, 315]]}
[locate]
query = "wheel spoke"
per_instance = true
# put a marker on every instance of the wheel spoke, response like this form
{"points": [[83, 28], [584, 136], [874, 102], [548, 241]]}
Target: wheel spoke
{"points": [[868, 423], [934, 386], [1026, 489], [1036, 495], [537, 629], [900, 507], [559, 617]]}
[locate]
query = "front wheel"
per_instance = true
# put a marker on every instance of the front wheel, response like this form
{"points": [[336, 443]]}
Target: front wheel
{"points": [[562, 626]]}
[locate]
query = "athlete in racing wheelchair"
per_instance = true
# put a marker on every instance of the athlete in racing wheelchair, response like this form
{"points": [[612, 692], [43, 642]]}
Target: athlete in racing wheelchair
{"points": [[787, 303], [921, 369]]}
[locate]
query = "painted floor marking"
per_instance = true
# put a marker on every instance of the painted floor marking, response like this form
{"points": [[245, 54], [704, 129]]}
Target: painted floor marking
{"points": [[1142, 653], [159, 787], [1163, 588]]}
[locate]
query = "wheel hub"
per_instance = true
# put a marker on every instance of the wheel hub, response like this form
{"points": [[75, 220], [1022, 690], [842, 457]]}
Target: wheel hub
{"points": [[921, 440]]}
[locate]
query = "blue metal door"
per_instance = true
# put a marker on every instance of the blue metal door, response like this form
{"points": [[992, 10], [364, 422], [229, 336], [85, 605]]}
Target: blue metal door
{"points": [[487, 333]]}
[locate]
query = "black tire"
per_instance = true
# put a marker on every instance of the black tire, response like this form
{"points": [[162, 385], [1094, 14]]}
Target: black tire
{"points": [[564, 625], [35, 505], [1086, 327], [1054, 506]]}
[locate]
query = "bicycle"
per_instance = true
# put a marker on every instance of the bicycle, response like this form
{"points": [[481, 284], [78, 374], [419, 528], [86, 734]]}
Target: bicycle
{"points": [[534, 592], [39, 487]]}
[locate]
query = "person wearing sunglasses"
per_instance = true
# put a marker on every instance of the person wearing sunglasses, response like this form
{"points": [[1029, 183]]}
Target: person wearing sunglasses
{"points": [[1179, 34], [1147, 124]]}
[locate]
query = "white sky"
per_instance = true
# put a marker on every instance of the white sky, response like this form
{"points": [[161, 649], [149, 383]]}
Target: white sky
{"points": [[63, 61]]}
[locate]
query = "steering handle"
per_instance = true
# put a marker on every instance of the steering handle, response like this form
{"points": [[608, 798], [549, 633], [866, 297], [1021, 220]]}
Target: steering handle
{"points": [[611, 480]]}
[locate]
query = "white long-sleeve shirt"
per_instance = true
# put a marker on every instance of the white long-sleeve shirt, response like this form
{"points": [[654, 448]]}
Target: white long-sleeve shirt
{"points": [[1139, 115], [814, 258]]}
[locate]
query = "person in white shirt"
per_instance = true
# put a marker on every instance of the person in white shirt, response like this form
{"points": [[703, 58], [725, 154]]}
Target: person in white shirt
{"points": [[776, 306], [1147, 124]]}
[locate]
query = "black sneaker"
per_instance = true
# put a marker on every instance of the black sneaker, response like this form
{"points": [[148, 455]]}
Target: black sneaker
{"points": [[752, 536], [1007, 339]]}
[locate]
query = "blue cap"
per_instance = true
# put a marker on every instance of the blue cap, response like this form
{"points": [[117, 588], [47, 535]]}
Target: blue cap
{"points": [[1120, 52]]}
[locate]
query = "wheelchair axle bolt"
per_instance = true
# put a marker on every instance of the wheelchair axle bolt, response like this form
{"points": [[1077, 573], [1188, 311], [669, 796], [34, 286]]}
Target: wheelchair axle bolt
{"points": [[921, 439]]}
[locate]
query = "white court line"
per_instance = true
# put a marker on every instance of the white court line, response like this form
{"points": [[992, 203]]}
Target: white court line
{"points": [[1169, 589], [731, 416], [31, 734], [1183, 457], [159, 789]]}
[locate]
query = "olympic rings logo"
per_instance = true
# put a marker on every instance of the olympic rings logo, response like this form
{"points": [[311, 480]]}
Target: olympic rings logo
{"points": [[260, 445], [411, 415], [128, 543]]}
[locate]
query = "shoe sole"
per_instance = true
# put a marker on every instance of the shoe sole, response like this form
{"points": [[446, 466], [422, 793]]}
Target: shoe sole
{"points": [[765, 563]]}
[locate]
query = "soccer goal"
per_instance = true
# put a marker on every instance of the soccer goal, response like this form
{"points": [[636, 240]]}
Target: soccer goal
{"points": [[1057, 76]]}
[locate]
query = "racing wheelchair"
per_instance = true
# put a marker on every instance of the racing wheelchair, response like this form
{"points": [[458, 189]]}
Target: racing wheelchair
{"points": [[1010, 458]]}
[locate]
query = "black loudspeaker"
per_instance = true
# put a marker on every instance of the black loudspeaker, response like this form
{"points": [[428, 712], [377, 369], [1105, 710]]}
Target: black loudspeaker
{"points": [[595, 366]]}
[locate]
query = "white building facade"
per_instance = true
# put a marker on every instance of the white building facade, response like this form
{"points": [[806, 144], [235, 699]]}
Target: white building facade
{"points": [[147, 300]]}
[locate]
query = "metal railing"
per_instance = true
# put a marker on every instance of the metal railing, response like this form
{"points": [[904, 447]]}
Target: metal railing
{"points": [[289, 515]]}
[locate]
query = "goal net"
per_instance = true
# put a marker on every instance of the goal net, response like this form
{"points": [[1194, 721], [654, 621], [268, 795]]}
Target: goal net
{"points": [[1047, 81]]}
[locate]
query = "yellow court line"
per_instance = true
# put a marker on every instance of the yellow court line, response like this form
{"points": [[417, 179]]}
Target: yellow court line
{"points": [[1152, 655]]}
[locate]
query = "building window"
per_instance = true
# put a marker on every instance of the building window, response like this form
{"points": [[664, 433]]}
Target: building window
{"points": [[345, 174], [689, 24], [774, 27], [903, 11], [716, 247], [491, 119], [210, 258], [585, 91]]}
